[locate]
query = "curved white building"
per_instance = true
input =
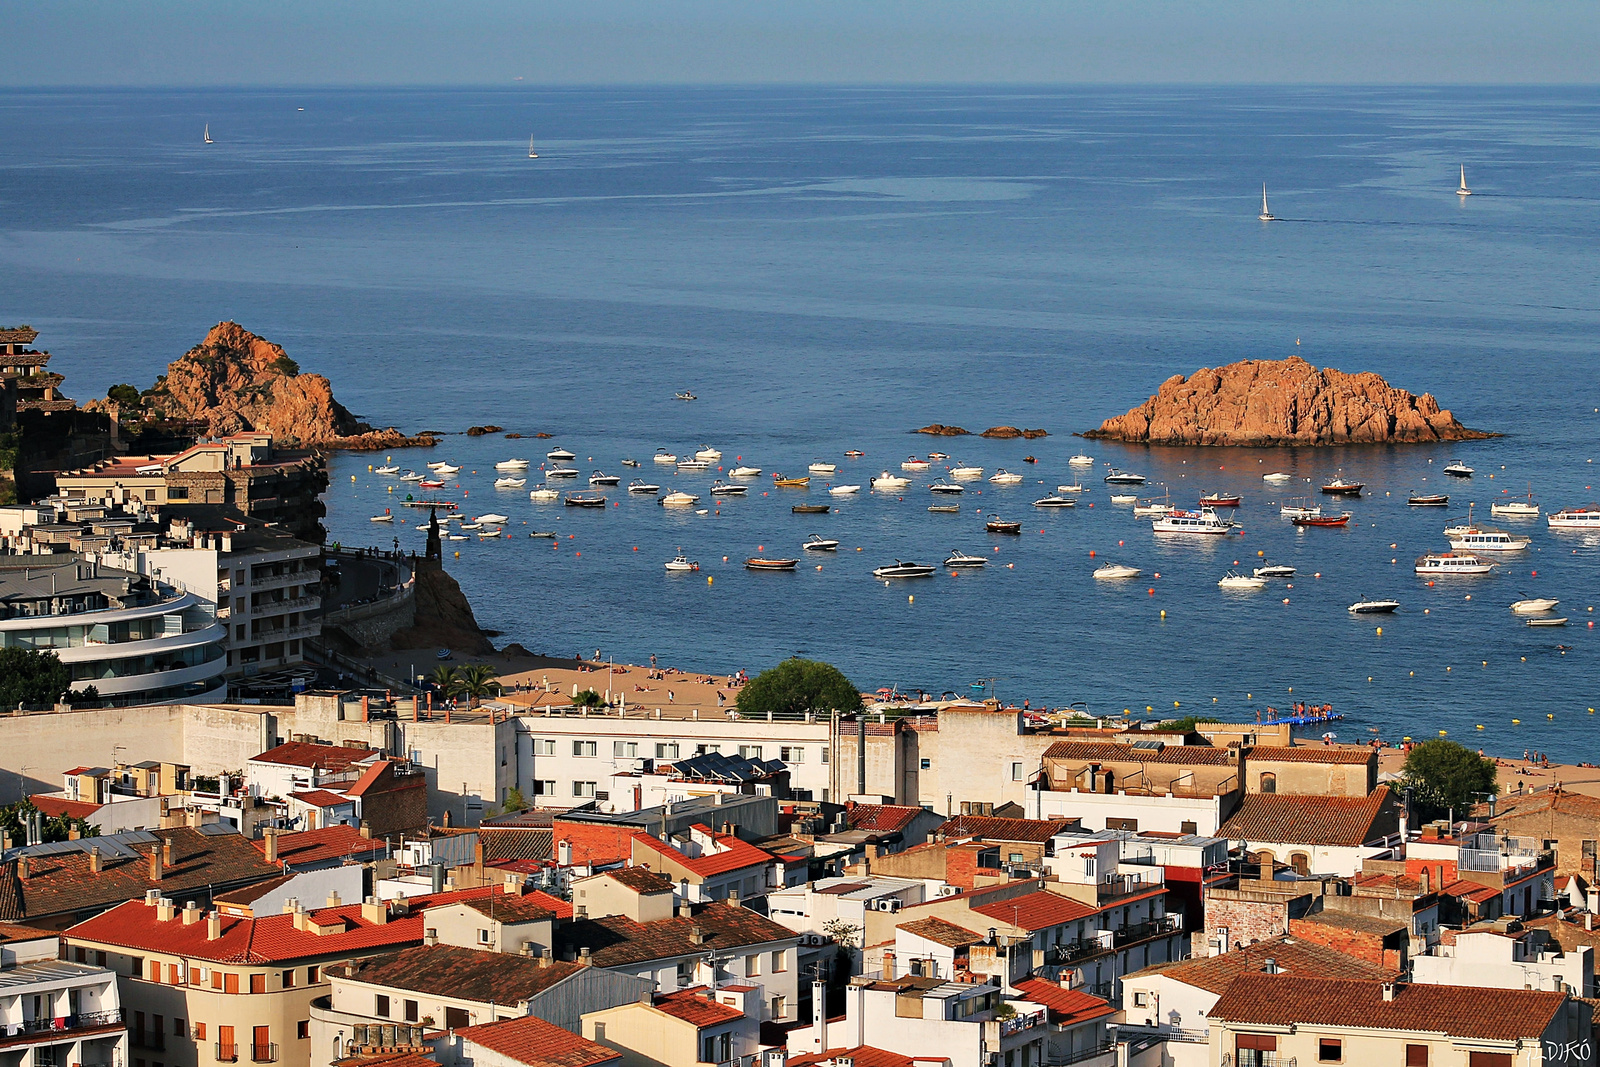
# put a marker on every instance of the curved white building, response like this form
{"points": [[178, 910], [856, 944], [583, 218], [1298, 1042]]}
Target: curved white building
{"points": [[135, 640]]}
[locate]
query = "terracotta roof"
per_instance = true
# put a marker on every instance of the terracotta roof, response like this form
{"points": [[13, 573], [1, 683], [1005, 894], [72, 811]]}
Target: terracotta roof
{"points": [[883, 818], [388, 1059], [58, 806], [1568, 934], [1312, 820], [692, 1007], [305, 754], [532, 1041], [862, 1056], [1067, 1007], [1476, 892], [640, 879], [1036, 831], [515, 843], [941, 932], [1358, 754], [510, 908], [1456, 1011], [251, 893], [561, 909], [467, 973], [372, 774], [1294, 956], [61, 883], [320, 798], [1037, 910], [1513, 805], [13, 932], [617, 940], [324, 844], [17, 335], [1110, 752], [1356, 922], [734, 855]]}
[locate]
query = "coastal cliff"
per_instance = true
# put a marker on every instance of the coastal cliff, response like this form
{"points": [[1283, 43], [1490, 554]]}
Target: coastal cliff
{"points": [[444, 617], [1284, 402], [235, 381]]}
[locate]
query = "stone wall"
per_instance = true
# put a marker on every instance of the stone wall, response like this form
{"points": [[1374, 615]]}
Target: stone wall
{"points": [[372, 625]]}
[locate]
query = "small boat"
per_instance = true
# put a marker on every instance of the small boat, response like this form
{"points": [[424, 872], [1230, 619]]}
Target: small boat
{"points": [[602, 478], [665, 457], [436, 464], [706, 452], [721, 488], [208, 134], [1124, 498], [442, 505], [679, 499], [811, 509], [963, 470], [1533, 605], [471, 525], [1301, 508], [1486, 539], [1340, 487], [1117, 570], [492, 519], [694, 464], [995, 524], [559, 455], [511, 465], [1075, 487], [585, 500], [938, 455], [1218, 500], [1266, 215], [1587, 518], [946, 487], [456, 537], [1147, 508], [855, 453], [445, 468], [1232, 580], [1277, 477], [381, 518], [639, 485], [562, 472], [1341, 519], [818, 543], [543, 492], [1561, 621], [685, 395], [1274, 570], [1004, 477], [1433, 500], [1204, 521], [822, 468], [1458, 469], [411, 476], [1462, 189], [1081, 460], [945, 509], [844, 490], [1373, 607], [1121, 477], [548, 535], [962, 559], [1453, 563], [744, 472], [791, 483], [431, 483], [915, 464], [1055, 502], [510, 483], [890, 481], [1516, 509], [531, 153], [630, 463], [387, 470], [904, 570], [761, 563], [681, 563]]}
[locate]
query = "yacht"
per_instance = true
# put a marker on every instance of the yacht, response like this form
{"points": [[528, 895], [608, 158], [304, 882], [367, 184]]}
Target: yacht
{"points": [[602, 478], [1120, 477], [1081, 460], [1240, 581], [820, 467], [639, 485], [1516, 509], [915, 464], [744, 472], [1373, 607], [510, 483], [1575, 518], [679, 499], [665, 457], [1277, 477], [890, 481], [962, 470], [946, 487], [559, 455], [1055, 502], [818, 543], [1486, 539], [542, 492], [694, 464], [1117, 570], [445, 468], [681, 563], [1453, 563], [1075, 487], [1462, 190], [1274, 570], [721, 488], [208, 134], [1265, 216], [904, 570], [1204, 521], [1458, 469], [411, 476], [1005, 477], [844, 490], [706, 452], [1533, 605], [511, 465], [562, 472], [962, 559], [585, 500], [387, 469], [491, 519], [1340, 487]]}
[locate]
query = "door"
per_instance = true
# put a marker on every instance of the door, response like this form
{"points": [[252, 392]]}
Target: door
{"points": [[260, 1046], [227, 1051]]}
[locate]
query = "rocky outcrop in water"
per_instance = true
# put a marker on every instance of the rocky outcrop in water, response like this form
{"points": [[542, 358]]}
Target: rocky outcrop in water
{"points": [[1007, 433], [1284, 402], [940, 430]]}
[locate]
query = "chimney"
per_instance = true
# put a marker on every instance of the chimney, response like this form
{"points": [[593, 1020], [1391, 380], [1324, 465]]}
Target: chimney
{"points": [[22, 866], [430, 937], [333, 899], [888, 965], [1588, 920], [164, 910], [374, 911], [166, 852], [151, 896], [733, 898], [1271, 966], [191, 913], [685, 910], [214, 926], [366, 829], [270, 839], [697, 936], [1427, 880], [564, 853], [73, 834], [95, 860], [156, 867], [583, 956], [1388, 992]]}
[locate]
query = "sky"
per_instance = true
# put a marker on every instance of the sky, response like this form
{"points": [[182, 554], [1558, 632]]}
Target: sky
{"points": [[145, 43]]}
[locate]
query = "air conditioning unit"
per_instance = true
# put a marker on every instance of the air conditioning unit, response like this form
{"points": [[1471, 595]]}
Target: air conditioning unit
{"points": [[886, 904], [947, 891]]}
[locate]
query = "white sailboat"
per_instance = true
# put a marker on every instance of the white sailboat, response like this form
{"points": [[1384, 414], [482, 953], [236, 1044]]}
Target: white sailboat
{"points": [[1265, 216], [1463, 191], [208, 133], [531, 153]]}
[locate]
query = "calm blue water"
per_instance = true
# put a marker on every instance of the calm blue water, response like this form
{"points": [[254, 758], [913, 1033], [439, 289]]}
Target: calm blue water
{"points": [[828, 270]]}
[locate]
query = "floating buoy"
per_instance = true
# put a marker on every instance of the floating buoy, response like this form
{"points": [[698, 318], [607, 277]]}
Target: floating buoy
{"points": [[1091, 553], [1480, 726], [635, 547], [458, 555], [1369, 677], [1285, 600], [1469, 596], [1261, 554], [1516, 722], [911, 598], [1412, 674], [575, 555], [1551, 716], [724, 559], [1163, 613], [1011, 566], [352, 477], [1380, 634], [1427, 611], [1317, 574], [708, 579], [1121, 543], [1443, 733], [1151, 591]]}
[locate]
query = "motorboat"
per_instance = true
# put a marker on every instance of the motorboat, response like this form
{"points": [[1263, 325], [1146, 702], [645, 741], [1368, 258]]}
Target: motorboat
{"points": [[436, 464], [854, 453], [387, 469], [548, 535], [602, 478], [412, 476], [1562, 621], [471, 526], [1515, 509], [963, 559], [543, 492], [1431, 500], [1277, 477], [456, 537], [681, 563], [1373, 607], [1341, 519], [938, 455], [810, 509], [1081, 460], [694, 464], [1487, 539], [706, 452], [431, 483], [510, 483], [1219, 500], [791, 483], [904, 570], [1533, 605], [585, 500], [822, 468], [1152, 508], [720, 488], [446, 468], [744, 472], [1453, 563], [1055, 502], [665, 457], [630, 462], [945, 509], [1004, 477], [1587, 518], [995, 524], [1204, 521], [1458, 469], [1302, 508], [491, 519], [1117, 570], [1340, 487], [685, 395], [1075, 487], [559, 455], [562, 472], [761, 563], [962, 470], [1124, 498], [890, 481], [639, 485], [844, 490], [679, 499], [915, 464], [818, 543], [511, 465], [382, 518], [1240, 581], [1274, 570], [946, 487], [1121, 477]]}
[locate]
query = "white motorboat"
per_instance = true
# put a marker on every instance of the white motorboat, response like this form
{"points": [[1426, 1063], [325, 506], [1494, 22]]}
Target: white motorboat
{"points": [[744, 472], [855, 453], [639, 485], [1458, 469], [543, 492], [1075, 487], [1240, 581], [706, 452], [1575, 518], [510, 483], [630, 462], [820, 467], [387, 469], [890, 481], [1373, 607], [472, 526], [938, 455], [1152, 508], [1117, 570], [663, 456], [904, 570], [511, 465], [721, 488], [602, 478], [1453, 563], [1204, 521], [1121, 477], [381, 518], [1533, 605], [446, 469], [915, 464], [681, 563], [844, 490], [963, 559], [562, 472], [962, 470], [1266, 215], [1081, 460], [1485, 539], [1055, 502], [456, 537], [1462, 189], [1515, 509], [1562, 621], [1004, 477], [694, 464], [1277, 477], [949, 488], [1274, 570], [1124, 498], [559, 455], [436, 464], [412, 476], [818, 543], [679, 499], [945, 509], [491, 519], [1303, 509]]}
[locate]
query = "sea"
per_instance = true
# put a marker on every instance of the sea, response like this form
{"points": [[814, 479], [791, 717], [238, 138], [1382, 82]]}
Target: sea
{"points": [[827, 270]]}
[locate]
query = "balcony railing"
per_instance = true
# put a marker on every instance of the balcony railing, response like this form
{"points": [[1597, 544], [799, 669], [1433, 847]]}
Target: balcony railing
{"points": [[1088, 1053], [228, 1053], [267, 1053], [1068, 951], [1167, 924], [81, 1021]]}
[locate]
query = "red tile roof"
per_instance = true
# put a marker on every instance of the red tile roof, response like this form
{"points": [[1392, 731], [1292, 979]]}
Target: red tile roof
{"points": [[1356, 754], [396, 782], [882, 818], [510, 908], [305, 754], [58, 806], [639, 879], [734, 855], [320, 798], [461, 973], [1312, 820], [941, 932], [324, 844], [1068, 1007], [1476, 892], [532, 1041], [863, 1055], [1455, 1011], [1037, 911], [1293, 956], [1110, 752], [617, 940], [692, 1007], [1036, 831]]}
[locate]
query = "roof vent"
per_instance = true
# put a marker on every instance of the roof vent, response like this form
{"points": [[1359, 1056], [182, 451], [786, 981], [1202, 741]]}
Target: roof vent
{"points": [[1271, 966]]}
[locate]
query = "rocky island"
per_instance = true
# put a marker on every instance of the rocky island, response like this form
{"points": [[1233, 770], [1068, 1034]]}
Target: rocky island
{"points": [[1284, 402]]}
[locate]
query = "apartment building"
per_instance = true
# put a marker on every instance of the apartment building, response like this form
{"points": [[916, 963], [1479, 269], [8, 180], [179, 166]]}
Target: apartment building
{"points": [[695, 1025], [56, 1011]]}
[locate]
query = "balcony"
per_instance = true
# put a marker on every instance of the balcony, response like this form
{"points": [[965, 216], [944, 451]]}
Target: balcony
{"points": [[1071, 951], [1167, 924], [267, 1053], [300, 577], [228, 1053], [84, 1021]]}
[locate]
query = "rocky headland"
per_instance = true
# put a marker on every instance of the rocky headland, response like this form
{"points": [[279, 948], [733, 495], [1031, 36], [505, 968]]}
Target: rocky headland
{"points": [[1284, 402]]}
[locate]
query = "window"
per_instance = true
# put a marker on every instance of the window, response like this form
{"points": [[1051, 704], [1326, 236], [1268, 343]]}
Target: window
{"points": [[199, 1031], [412, 1015], [178, 1029], [1269, 782], [778, 1007], [752, 965], [288, 979], [924, 763], [155, 971], [666, 750], [302, 1029], [1015, 857], [1416, 1056], [312, 975], [791, 753], [750, 751], [702, 750], [456, 1018], [1188, 826], [599, 1031], [583, 789], [380, 1006], [778, 962], [544, 746], [717, 1047], [1330, 1050], [1016, 772], [1488, 1059], [544, 787], [1122, 824], [82, 954], [824, 753], [198, 976], [624, 749], [258, 983], [483, 937], [1141, 1000], [585, 748], [172, 975]]}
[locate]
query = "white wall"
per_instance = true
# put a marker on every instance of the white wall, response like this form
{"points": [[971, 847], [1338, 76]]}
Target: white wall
{"points": [[1163, 813]]}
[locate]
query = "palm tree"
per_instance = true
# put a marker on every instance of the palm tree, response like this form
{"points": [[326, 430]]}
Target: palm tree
{"points": [[444, 677], [475, 681]]}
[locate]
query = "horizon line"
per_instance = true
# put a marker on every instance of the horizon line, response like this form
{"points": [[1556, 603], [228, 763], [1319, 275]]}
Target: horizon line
{"points": [[736, 85]]}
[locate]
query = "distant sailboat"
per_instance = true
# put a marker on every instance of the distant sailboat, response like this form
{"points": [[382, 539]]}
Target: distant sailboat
{"points": [[208, 133], [1463, 191], [1265, 216], [531, 153]]}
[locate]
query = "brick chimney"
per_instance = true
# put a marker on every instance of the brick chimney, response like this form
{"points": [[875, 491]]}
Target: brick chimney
{"points": [[22, 866], [366, 829], [269, 837], [888, 966], [156, 868], [214, 926], [96, 861], [166, 852]]}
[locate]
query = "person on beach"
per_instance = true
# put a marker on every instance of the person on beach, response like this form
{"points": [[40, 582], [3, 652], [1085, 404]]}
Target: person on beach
{"points": [[671, 696]]}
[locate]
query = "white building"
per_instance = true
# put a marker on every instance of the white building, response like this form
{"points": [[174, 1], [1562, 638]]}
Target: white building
{"points": [[58, 1012], [1503, 955], [300, 766]]}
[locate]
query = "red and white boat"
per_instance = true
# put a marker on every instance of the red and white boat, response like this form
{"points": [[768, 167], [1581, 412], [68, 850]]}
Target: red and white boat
{"points": [[430, 484], [1322, 520], [1217, 500]]}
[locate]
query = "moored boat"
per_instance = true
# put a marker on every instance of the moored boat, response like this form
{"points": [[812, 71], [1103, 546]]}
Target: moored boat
{"points": [[1340, 487], [1277, 477], [791, 483], [890, 481], [560, 455], [1487, 539], [543, 492], [1373, 607], [810, 509], [904, 570], [822, 468], [744, 472], [915, 464], [1121, 477], [948, 488], [681, 563], [585, 500], [762, 563], [995, 524], [511, 465], [1232, 580], [965, 470], [1274, 570], [1533, 605], [1585, 518], [964, 559], [510, 483], [1342, 519], [1220, 500], [1055, 502], [1116, 570], [818, 543], [1204, 521], [663, 456], [1458, 469], [1004, 477], [1081, 460], [1453, 563], [844, 490], [639, 485], [944, 509], [602, 478], [678, 499], [561, 472], [1428, 500], [727, 489]]}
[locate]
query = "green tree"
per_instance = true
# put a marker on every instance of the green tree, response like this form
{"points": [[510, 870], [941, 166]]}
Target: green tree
{"points": [[588, 698], [444, 677], [56, 827], [475, 681], [1443, 775], [514, 801], [797, 686], [31, 676], [1189, 723], [125, 395]]}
